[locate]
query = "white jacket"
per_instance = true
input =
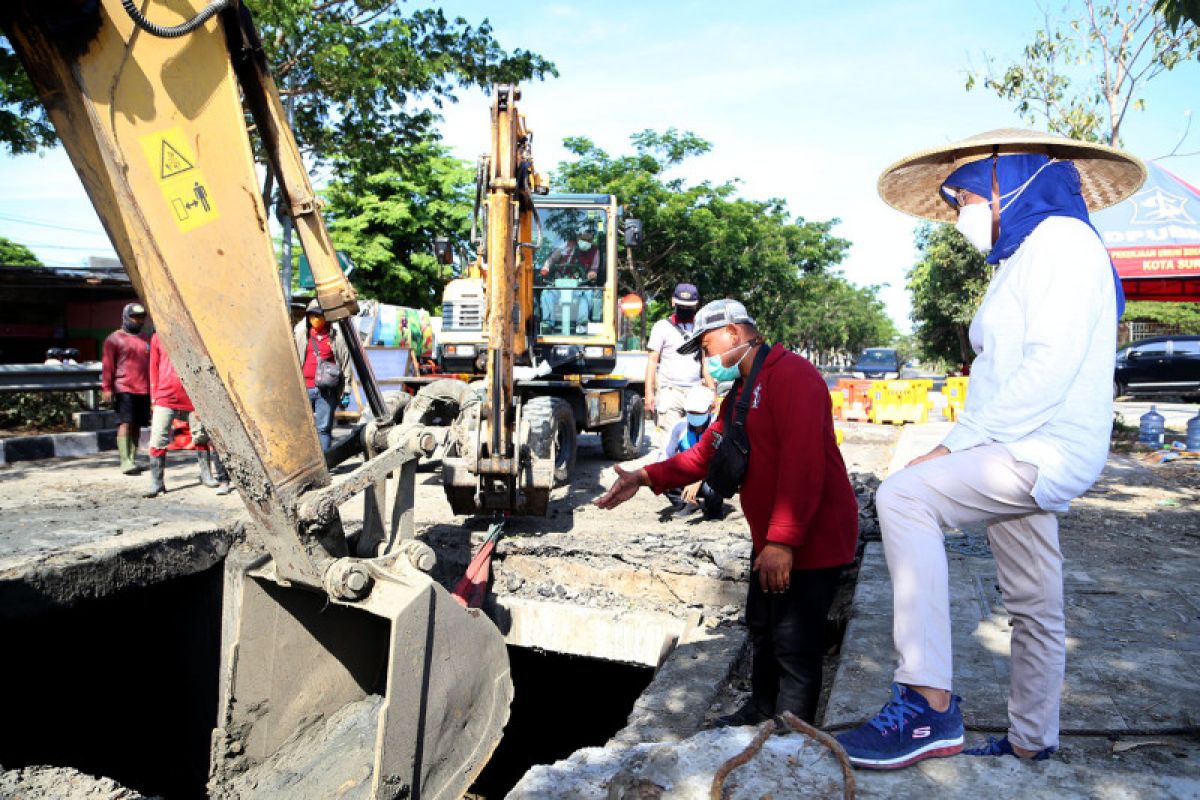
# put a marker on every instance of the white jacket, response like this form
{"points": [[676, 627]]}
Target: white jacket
{"points": [[1041, 385]]}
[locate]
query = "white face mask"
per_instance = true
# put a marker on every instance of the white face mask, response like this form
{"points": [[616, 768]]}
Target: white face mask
{"points": [[584, 245], [975, 223]]}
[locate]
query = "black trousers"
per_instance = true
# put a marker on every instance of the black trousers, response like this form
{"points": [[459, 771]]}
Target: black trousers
{"points": [[788, 634]]}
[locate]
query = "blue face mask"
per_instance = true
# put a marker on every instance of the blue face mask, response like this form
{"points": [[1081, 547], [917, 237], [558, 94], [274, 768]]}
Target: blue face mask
{"points": [[721, 373], [697, 420]]}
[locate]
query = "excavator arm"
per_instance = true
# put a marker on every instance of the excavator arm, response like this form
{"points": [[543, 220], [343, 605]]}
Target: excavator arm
{"points": [[148, 102], [500, 463]]}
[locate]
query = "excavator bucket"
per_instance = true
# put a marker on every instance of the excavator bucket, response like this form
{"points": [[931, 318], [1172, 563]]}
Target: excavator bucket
{"points": [[402, 696], [384, 661]]}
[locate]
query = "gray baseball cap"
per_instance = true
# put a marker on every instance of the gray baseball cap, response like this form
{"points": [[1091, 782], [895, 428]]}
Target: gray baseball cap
{"points": [[711, 316]]}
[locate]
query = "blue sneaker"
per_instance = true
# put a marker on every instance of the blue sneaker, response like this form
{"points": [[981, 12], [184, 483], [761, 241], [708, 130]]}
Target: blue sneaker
{"points": [[905, 731], [1002, 747]]}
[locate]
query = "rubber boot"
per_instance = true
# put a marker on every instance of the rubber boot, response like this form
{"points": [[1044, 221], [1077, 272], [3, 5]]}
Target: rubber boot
{"points": [[206, 477], [126, 449], [220, 473], [158, 468]]}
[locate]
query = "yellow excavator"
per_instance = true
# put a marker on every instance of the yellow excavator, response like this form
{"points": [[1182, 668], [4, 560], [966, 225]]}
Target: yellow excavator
{"points": [[150, 101], [545, 344]]}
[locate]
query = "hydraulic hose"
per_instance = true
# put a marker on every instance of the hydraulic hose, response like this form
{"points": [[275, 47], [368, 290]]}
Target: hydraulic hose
{"points": [[174, 31]]}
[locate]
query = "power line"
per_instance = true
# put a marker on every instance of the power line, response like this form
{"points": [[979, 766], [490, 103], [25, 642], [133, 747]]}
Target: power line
{"points": [[40, 224], [92, 249]]}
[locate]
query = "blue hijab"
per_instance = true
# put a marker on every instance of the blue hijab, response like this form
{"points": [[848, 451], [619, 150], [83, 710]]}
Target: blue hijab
{"points": [[1051, 189]]}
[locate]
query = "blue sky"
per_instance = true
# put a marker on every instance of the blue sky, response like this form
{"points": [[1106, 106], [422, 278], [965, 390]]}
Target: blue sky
{"points": [[804, 101]]}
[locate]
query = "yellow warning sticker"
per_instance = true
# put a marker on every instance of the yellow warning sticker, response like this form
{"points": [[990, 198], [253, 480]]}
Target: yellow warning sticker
{"points": [[177, 171]]}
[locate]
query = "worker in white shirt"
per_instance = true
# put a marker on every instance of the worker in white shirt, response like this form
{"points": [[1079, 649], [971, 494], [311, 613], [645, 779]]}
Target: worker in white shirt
{"points": [[1033, 436], [669, 375]]}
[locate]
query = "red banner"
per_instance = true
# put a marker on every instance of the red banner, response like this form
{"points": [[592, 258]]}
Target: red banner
{"points": [[1169, 261]]}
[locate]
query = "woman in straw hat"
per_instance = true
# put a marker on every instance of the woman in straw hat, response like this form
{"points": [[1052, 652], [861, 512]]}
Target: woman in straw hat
{"points": [[1034, 434]]}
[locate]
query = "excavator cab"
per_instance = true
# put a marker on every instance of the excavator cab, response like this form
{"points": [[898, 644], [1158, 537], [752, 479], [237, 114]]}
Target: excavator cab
{"points": [[574, 282], [347, 671]]}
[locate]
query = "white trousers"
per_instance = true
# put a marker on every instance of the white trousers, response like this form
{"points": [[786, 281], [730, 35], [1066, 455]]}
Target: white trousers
{"points": [[980, 485]]}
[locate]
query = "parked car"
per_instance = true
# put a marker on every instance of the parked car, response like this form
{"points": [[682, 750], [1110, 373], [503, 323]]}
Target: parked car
{"points": [[1162, 365], [878, 363]]}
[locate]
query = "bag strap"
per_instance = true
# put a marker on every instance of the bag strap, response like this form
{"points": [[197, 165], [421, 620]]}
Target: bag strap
{"points": [[743, 400]]}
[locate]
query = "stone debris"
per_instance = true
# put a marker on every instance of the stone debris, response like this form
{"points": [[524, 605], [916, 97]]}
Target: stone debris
{"points": [[788, 765], [62, 783]]}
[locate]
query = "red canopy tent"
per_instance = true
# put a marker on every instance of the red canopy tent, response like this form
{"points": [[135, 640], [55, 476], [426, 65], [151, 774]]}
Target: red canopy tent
{"points": [[1154, 239]]}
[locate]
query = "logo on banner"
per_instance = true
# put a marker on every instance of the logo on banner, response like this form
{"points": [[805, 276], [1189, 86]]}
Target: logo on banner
{"points": [[1155, 206]]}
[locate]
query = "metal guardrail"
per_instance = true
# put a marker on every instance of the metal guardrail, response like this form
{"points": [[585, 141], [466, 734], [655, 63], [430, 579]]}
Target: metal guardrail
{"points": [[49, 377]]}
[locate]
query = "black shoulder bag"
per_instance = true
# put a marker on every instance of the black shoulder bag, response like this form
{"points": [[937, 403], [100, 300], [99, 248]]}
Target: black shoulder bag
{"points": [[329, 374], [728, 465]]}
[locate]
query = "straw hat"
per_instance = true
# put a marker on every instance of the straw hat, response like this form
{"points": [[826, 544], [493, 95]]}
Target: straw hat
{"points": [[1106, 174]]}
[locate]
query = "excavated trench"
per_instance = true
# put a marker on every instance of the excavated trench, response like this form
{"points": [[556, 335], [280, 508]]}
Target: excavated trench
{"points": [[126, 686], [123, 686]]}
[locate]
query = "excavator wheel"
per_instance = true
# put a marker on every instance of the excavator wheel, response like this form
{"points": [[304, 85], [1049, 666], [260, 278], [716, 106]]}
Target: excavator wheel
{"points": [[623, 440], [550, 426]]}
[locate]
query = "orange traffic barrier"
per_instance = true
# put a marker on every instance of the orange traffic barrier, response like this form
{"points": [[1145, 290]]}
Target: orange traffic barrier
{"points": [[857, 403]]}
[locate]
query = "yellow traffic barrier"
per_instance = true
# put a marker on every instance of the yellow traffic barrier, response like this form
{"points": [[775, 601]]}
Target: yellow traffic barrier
{"points": [[955, 390], [898, 402], [836, 401]]}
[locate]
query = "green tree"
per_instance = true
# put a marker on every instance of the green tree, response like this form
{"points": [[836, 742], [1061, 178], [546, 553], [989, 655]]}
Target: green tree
{"points": [[946, 285], [1177, 12], [703, 233], [13, 254], [365, 77], [1186, 316], [833, 318], [386, 223], [1080, 77]]}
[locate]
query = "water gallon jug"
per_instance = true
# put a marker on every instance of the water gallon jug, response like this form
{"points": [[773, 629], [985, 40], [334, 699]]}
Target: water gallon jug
{"points": [[1193, 433], [1152, 429]]}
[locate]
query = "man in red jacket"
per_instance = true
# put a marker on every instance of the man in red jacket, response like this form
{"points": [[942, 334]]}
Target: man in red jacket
{"points": [[796, 496], [125, 381], [171, 402]]}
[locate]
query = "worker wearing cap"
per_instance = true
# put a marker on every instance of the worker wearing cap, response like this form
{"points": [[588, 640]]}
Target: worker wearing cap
{"points": [[669, 373], [1033, 436], [125, 381], [698, 404], [316, 341], [796, 496]]}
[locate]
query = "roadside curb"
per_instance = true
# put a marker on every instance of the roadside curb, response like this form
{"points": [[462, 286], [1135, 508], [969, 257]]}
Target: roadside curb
{"points": [[56, 445]]}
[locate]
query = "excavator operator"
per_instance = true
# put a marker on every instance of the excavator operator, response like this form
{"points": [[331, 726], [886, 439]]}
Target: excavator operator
{"points": [[577, 262]]}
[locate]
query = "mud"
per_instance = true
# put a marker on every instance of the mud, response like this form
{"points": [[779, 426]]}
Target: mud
{"points": [[326, 759]]}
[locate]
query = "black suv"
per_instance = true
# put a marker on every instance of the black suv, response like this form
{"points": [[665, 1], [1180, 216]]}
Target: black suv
{"points": [[1162, 365]]}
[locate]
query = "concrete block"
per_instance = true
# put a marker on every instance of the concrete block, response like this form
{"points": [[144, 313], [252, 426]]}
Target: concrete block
{"points": [[94, 420], [28, 448], [74, 444]]}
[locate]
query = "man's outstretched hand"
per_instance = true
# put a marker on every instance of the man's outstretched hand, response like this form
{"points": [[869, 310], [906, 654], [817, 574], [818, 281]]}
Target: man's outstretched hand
{"points": [[626, 487]]}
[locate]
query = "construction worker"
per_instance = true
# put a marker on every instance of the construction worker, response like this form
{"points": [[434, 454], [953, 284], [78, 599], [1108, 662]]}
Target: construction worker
{"points": [[319, 342], [669, 374], [795, 493], [1033, 436], [171, 402], [125, 381]]}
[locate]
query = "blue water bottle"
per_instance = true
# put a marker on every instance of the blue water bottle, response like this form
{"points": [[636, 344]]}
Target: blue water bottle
{"points": [[1193, 433], [1153, 428]]}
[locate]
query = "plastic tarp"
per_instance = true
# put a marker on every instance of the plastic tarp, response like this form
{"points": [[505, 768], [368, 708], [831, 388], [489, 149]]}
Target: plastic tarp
{"points": [[1154, 238]]}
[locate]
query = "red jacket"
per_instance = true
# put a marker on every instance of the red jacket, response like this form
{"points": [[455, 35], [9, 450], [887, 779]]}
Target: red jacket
{"points": [[166, 389], [796, 490], [126, 363]]}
